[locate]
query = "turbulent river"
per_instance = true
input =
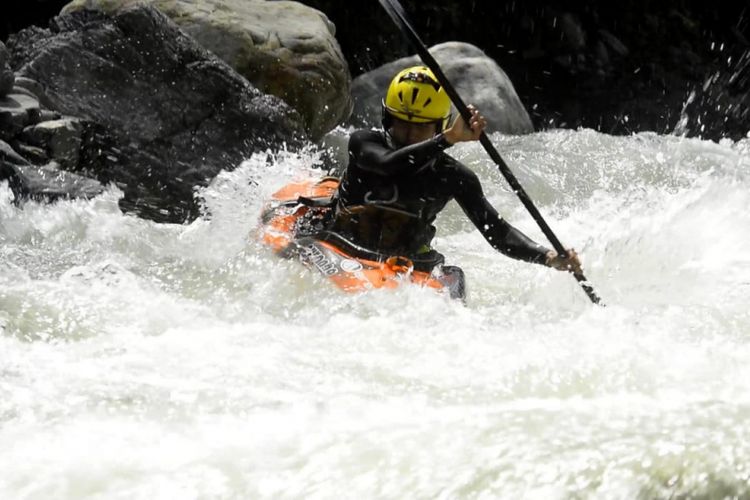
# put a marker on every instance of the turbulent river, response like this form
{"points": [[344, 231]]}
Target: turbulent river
{"points": [[140, 360]]}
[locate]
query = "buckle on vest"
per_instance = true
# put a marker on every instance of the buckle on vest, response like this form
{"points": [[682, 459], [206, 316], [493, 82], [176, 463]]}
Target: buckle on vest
{"points": [[399, 264]]}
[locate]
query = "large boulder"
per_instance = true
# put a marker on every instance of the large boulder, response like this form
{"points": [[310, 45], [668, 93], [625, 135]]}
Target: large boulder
{"points": [[165, 115], [476, 77], [283, 48]]}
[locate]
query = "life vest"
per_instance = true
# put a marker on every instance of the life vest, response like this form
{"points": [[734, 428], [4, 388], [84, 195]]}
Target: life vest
{"points": [[383, 228]]}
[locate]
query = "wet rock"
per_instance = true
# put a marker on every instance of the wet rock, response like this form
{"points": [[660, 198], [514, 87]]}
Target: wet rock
{"points": [[61, 139], [168, 114], [21, 44], [614, 43], [45, 115], [21, 90], [283, 48], [35, 154], [476, 77], [6, 74], [47, 183], [573, 34], [29, 85], [16, 112], [8, 155]]}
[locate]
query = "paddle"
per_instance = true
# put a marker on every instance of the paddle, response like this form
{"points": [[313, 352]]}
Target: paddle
{"points": [[397, 14]]}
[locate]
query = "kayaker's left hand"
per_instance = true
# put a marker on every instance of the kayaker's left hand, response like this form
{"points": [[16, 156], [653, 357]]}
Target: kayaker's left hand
{"points": [[570, 262], [460, 131]]}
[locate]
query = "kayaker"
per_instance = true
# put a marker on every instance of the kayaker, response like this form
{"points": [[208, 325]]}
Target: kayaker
{"points": [[399, 178]]}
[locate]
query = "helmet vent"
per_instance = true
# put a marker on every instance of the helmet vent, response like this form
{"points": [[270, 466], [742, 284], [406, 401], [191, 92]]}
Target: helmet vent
{"points": [[414, 94], [427, 102], [400, 96]]}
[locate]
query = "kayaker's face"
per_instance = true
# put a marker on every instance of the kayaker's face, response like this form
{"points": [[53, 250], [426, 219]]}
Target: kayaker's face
{"points": [[407, 133]]}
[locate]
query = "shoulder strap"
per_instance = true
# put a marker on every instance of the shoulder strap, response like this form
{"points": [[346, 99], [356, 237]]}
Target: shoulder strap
{"points": [[322, 202]]}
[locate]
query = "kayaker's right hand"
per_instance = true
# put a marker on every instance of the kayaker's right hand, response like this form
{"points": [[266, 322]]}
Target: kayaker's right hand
{"points": [[459, 131], [570, 262]]}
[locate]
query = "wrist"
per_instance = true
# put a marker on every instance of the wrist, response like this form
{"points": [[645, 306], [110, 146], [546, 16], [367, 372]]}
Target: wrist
{"points": [[549, 257], [450, 137], [443, 141]]}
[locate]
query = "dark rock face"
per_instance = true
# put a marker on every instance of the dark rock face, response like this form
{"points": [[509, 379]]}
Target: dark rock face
{"points": [[160, 115]]}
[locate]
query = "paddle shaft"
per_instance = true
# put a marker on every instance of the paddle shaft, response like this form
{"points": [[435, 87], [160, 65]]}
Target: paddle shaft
{"points": [[395, 11]]}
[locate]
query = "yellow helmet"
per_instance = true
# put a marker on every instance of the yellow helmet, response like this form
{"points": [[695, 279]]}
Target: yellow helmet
{"points": [[415, 95]]}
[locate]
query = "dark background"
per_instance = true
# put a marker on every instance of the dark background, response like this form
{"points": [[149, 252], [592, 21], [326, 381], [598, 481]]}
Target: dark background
{"points": [[618, 67]]}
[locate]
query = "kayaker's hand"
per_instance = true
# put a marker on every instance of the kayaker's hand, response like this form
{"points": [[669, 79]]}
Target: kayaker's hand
{"points": [[570, 263], [459, 131]]}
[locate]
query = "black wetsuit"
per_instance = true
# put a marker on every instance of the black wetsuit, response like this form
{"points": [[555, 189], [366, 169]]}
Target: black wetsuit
{"points": [[389, 198]]}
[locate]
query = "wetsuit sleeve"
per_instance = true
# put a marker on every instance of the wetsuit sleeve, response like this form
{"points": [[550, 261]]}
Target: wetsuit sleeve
{"points": [[501, 235], [371, 154]]}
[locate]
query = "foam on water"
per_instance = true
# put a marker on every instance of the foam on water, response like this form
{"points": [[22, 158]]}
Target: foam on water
{"points": [[140, 360]]}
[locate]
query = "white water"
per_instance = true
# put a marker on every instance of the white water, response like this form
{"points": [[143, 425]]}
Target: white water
{"points": [[154, 361]]}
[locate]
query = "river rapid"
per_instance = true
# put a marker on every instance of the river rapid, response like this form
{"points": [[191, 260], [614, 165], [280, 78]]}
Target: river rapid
{"points": [[155, 361]]}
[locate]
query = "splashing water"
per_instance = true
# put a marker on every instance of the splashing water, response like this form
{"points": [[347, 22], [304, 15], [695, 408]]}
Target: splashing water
{"points": [[140, 360]]}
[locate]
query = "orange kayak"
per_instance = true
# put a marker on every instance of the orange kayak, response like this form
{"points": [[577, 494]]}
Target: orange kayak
{"points": [[348, 266]]}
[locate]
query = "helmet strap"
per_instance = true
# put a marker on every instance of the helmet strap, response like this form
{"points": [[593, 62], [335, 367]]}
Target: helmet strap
{"points": [[386, 119], [445, 122]]}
